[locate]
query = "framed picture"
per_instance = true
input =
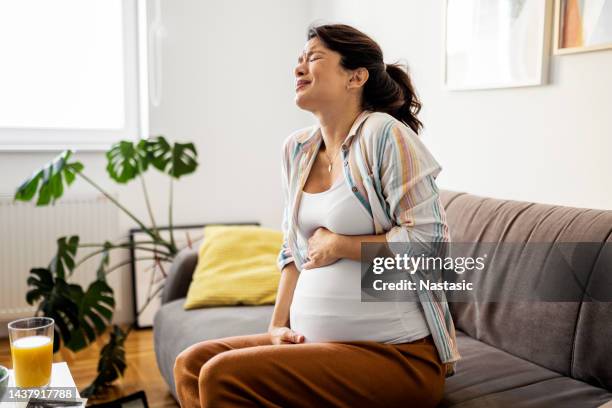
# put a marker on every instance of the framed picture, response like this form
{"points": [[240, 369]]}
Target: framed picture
{"points": [[582, 25], [148, 275], [136, 400], [496, 44]]}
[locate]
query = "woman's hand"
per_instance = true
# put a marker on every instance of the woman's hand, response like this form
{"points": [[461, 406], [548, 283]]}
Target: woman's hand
{"points": [[284, 335], [322, 248]]}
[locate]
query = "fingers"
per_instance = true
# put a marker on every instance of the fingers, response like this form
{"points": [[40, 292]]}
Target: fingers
{"points": [[313, 262], [292, 337]]}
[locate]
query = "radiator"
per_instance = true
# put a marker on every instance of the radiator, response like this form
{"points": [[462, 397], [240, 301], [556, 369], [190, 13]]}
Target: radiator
{"points": [[28, 236]]}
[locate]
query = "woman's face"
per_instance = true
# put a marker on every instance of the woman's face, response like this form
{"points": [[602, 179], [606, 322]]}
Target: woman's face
{"points": [[320, 80]]}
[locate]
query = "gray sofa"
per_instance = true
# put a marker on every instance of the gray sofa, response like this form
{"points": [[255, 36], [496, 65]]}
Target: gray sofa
{"points": [[521, 354]]}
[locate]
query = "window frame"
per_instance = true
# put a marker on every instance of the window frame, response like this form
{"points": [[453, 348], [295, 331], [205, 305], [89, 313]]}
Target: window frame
{"points": [[134, 22]]}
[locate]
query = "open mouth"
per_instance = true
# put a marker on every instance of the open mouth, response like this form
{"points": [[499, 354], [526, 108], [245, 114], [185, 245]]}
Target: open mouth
{"points": [[301, 85]]}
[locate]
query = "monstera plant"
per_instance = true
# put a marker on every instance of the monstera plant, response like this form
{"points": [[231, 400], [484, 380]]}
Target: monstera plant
{"points": [[83, 314]]}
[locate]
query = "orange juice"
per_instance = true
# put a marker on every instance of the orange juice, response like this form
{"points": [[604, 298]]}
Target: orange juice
{"points": [[32, 360]]}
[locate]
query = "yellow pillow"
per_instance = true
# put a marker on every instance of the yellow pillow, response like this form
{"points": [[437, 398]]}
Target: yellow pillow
{"points": [[236, 265]]}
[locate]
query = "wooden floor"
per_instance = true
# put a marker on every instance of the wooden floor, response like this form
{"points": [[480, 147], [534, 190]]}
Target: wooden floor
{"points": [[141, 372]]}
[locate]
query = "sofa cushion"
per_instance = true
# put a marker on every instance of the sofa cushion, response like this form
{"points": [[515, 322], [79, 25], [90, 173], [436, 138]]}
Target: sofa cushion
{"points": [[591, 361], [559, 392], [556, 335], [538, 332], [179, 276], [485, 369], [489, 377], [236, 266], [175, 329]]}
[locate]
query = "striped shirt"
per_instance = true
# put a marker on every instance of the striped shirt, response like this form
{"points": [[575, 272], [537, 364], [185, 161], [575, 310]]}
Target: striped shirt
{"points": [[392, 173]]}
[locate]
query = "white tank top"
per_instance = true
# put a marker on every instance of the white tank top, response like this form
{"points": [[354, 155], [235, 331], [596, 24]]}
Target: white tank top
{"points": [[326, 303]]}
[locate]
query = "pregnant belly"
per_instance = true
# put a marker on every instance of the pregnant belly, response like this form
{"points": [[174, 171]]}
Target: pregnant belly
{"points": [[327, 306]]}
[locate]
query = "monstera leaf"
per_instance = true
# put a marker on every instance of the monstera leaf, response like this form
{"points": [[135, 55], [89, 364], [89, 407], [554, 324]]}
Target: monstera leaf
{"points": [[63, 261], [126, 161], [55, 302], [95, 308], [183, 160], [80, 316], [49, 180], [158, 150], [112, 363], [176, 160]]}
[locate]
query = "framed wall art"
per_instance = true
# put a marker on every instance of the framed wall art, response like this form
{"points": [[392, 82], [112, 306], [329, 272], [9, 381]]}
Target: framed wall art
{"points": [[148, 275], [496, 44], [582, 25]]}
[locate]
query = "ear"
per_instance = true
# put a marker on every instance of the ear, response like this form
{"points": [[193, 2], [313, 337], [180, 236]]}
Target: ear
{"points": [[358, 78]]}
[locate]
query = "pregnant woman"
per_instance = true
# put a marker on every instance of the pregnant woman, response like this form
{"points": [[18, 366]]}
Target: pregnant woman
{"points": [[360, 175]]}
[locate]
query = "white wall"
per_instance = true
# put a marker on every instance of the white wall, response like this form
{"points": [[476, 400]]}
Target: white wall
{"points": [[228, 86], [546, 144]]}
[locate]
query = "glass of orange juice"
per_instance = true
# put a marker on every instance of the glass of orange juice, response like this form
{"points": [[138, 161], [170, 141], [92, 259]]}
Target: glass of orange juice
{"points": [[32, 351]]}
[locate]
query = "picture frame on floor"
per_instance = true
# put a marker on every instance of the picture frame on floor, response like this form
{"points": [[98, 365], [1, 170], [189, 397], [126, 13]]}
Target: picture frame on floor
{"points": [[135, 400], [147, 280]]}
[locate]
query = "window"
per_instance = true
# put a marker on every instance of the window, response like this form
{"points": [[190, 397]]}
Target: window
{"points": [[69, 73]]}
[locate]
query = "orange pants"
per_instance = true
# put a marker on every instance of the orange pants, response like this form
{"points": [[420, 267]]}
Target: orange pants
{"points": [[250, 371]]}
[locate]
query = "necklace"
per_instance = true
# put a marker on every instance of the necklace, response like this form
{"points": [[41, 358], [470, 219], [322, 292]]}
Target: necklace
{"points": [[329, 167]]}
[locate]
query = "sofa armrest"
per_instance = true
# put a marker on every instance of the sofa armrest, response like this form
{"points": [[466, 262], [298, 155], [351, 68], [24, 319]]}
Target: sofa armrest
{"points": [[179, 276]]}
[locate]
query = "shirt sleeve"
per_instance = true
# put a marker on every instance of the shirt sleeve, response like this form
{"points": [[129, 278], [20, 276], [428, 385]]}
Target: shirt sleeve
{"points": [[284, 256], [408, 173]]}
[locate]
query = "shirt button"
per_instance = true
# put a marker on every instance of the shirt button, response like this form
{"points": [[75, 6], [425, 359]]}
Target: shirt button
{"points": [[354, 189], [346, 163]]}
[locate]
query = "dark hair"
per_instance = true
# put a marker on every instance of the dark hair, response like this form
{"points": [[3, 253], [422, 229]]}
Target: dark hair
{"points": [[388, 88]]}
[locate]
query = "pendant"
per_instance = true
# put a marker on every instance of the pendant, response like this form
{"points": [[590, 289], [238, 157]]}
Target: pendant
{"points": [[329, 168]]}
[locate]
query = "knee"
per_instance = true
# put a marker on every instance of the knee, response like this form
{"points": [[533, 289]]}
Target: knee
{"points": [[212, 372], [180, 368], [224, 378], [212, 382], [185, 364]]}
